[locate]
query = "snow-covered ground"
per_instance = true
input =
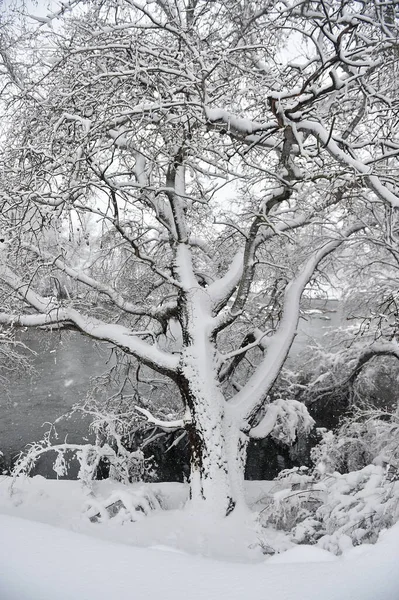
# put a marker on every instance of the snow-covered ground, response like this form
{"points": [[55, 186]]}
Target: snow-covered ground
{"points": [[49, 550]]}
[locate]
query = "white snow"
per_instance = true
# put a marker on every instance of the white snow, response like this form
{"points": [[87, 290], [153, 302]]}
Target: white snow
{"points": [[346, 158], [239, 124], [53, 560], [302, 554], [283, 419]]}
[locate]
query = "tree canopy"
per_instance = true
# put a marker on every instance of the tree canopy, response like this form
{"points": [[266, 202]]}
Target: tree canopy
{"points": [[166, 164]]}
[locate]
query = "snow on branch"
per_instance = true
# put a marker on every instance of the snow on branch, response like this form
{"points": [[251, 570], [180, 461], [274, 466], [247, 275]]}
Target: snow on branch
{"points": [[355, 366], [252, 339], [120, 336], [259, 341], [248, 401], [349, 160], [50, 313], [234, 124], [167, 425], [283, 420], [63, 7], [24, 290], [283, 227], [381, 348], [89, 456], [221, 289], [102, 288]]}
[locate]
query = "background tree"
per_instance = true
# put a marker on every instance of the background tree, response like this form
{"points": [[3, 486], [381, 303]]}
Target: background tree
{"points": [[174, 159]]}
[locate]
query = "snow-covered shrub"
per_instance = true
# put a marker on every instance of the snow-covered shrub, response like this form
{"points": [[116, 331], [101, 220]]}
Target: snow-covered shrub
{"points": [[296, 499], [122, 506], [370, 436], [352, 493], [335, 511], [124, 466], [283, 421], [359, 505]]}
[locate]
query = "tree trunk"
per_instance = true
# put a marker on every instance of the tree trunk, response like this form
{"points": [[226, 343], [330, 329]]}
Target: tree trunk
{"points": [[218, 447], [237, 445], [218, 456]]}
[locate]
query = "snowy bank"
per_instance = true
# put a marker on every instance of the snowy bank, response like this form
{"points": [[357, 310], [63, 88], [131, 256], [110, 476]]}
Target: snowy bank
{"points": [[41, 562]]}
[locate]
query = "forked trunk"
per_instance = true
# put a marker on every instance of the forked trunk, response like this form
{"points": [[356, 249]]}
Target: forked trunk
{"points": [[218, 449]]}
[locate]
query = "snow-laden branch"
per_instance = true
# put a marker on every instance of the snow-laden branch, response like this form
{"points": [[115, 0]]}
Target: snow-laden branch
{"points": [[69, 117], [288, 224], [347, 159], [284, 419], [120, 336], [220, 290], [166, 425], [176, 189], [253, 338], [380, 348], [247, 402], [40, 303], [102, 288], [249, 132], [234, 124], [63, 7], [50, 313], [367, 353], [259, 341]]}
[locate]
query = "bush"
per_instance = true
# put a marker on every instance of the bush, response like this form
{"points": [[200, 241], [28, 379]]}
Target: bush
{"points": [[351, 495], [370, 436], [334, 511]]}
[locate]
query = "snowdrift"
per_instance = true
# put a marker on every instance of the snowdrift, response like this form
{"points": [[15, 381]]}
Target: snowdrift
{"points": [[45, 556]]}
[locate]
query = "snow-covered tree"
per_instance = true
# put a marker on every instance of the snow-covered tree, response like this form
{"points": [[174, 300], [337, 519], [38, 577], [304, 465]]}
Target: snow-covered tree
{"points": [[192, 165]]}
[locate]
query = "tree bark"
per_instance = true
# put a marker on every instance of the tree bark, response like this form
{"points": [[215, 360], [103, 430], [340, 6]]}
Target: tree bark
{"points": [[210, 476], [218, 459], [218, 448]]}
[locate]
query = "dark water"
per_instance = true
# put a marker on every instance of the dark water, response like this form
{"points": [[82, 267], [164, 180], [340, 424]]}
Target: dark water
{"points": [[63, 366]]}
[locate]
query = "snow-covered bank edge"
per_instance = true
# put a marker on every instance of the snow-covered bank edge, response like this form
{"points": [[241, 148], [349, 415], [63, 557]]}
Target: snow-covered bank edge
{"points": [[40, 562], [50, 551]]}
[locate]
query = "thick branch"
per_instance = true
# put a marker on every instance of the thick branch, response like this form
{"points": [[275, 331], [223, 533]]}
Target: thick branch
{"points": [[247, 402], [345, 158], [113, 295], [49, 313], [165, 425], [118, 335]]}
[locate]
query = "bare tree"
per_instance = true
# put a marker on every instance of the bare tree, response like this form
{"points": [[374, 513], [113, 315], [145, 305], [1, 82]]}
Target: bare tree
{"points": [[175, 159]]}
